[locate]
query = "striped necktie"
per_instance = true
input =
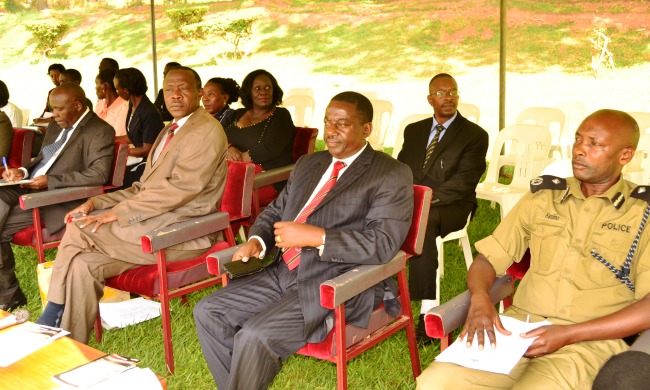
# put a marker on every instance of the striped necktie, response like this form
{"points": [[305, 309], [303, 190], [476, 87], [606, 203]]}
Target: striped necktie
{"points": [[170, 134], [432, 145], [292, 255], [51, 149]]}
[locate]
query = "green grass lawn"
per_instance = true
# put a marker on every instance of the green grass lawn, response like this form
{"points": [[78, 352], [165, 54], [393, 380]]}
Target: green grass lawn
{"points": [[386, 366]]}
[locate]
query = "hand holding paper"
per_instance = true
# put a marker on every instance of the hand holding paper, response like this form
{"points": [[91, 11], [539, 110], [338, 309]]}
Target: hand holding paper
{"points": [[502, 358]]}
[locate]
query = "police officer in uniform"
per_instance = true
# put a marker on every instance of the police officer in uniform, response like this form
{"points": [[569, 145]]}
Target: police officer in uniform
{"points": [[589, 274]]}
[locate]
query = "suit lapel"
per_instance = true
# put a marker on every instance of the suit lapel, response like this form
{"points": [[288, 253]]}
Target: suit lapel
{"points": [[314, 174], [452, 133], [351, 174]]}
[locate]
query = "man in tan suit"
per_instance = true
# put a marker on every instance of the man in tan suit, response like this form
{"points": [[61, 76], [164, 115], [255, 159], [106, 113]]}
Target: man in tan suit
{"points": [[184, 177]]}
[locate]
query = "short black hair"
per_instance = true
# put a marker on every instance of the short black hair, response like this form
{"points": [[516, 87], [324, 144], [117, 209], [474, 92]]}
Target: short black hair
{"points": [[4, 94], [133, 80], [441, 75], [247, 88], [362, 104], [74, 74], [228, 86], [169, 66], [112, 62], [58, 67], [107, 76], [197, 78]]}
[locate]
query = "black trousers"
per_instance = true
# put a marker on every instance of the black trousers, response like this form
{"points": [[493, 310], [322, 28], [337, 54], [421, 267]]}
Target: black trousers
{"points": [[12, 220], [422, 269], [248, 328]]}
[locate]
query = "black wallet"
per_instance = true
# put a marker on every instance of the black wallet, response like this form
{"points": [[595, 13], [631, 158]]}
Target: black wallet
{"points": [[238, 269]]}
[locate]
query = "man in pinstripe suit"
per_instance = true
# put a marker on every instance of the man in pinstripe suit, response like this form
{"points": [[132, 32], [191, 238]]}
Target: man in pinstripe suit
{"points": [[250, 327], [83, 158]]}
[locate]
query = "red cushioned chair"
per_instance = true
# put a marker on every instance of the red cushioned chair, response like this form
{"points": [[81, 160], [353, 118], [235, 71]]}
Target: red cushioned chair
{"points": [[38, 236], [164, 281], [303, 143], [441, 321], [346, 341], [20, 153]]}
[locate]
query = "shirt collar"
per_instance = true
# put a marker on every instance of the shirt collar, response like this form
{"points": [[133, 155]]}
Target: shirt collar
{"points": [[74, 126], [349, 160], [182, 121], [615, 194], [446, 124]]}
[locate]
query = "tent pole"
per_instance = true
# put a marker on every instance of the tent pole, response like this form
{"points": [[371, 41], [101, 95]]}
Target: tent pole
{"points": [[153, 49], [502, 65]]}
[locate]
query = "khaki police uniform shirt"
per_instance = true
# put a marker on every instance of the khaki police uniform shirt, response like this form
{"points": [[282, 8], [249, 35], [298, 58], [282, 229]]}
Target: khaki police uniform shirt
{"points": [[561, 227]]}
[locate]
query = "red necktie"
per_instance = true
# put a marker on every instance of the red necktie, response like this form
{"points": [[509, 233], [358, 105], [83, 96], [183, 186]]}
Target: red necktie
{"points": [[170, 135], [292, 255]]}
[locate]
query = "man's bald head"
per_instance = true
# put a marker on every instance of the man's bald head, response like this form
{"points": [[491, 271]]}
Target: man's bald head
{"points": [[621, 123], [68, 104], [604, 143]]}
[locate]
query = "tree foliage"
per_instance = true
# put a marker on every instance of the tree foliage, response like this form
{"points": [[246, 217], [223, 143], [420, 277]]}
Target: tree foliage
{"points": [[48, 35], [181, 17], [233, 31]]}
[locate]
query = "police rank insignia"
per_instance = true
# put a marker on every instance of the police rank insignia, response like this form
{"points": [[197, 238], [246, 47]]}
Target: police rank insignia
{"points": [[641, 192], [547, 182]]}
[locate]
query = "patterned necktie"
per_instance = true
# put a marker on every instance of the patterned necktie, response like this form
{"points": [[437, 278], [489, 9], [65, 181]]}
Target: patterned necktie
{"points": [[292, 255], [432, 145], [170, 134], [51, 149]]}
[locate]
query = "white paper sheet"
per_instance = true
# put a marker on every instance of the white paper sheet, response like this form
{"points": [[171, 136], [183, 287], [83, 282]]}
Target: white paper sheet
{"points": [[24, 339], [133, 311], [502, 359]]}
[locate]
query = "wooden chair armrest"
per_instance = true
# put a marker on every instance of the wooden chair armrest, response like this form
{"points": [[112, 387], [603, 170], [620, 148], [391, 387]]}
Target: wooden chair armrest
{"points": [[61, 195], [183, 231], [336, 291], [444, 319], [642, 343], [272, 176], [222, 257]]}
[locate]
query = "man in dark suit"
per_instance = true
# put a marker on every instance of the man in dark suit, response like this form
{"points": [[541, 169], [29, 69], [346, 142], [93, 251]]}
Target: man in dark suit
{"points": [[334, 221], [78, 151], [456, 151]]}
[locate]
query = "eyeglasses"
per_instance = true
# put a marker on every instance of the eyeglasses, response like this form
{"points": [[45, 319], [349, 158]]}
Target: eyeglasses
{"points": [[340, 124], [258, 88], [453, 93]]}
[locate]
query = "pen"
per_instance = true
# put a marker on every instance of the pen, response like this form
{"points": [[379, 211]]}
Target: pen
{"points": [[527, 317], [4, 162]]}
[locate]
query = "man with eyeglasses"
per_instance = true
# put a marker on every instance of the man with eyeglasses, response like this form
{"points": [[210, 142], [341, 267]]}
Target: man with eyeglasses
{"points": [[447, 153]]}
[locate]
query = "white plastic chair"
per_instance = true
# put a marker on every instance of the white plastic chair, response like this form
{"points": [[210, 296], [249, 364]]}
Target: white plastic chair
{"points": [[553, 119], [463, 238], [383, 110], [574, 113], [301, 108], [298, 91], [26, 112], [470, 111], [542, 156], [643, 119], [638, 170], [525, 142], [399, 138]]}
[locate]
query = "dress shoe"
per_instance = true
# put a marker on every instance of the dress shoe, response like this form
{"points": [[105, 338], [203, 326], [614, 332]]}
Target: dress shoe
{"points": [[17, 300], [420, 332]]}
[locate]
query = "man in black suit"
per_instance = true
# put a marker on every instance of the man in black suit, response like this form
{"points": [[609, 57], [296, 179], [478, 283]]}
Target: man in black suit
{"points": [[81, 156], [250, 327], [456, 151]]}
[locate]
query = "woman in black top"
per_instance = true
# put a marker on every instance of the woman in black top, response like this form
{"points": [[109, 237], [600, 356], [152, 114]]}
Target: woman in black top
{"points": [[262, 132], [143, 122], [218, 93]]}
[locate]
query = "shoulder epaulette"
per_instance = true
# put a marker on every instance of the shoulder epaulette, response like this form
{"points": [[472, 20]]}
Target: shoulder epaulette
{"points": [[641, 192], [547, 182]]}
